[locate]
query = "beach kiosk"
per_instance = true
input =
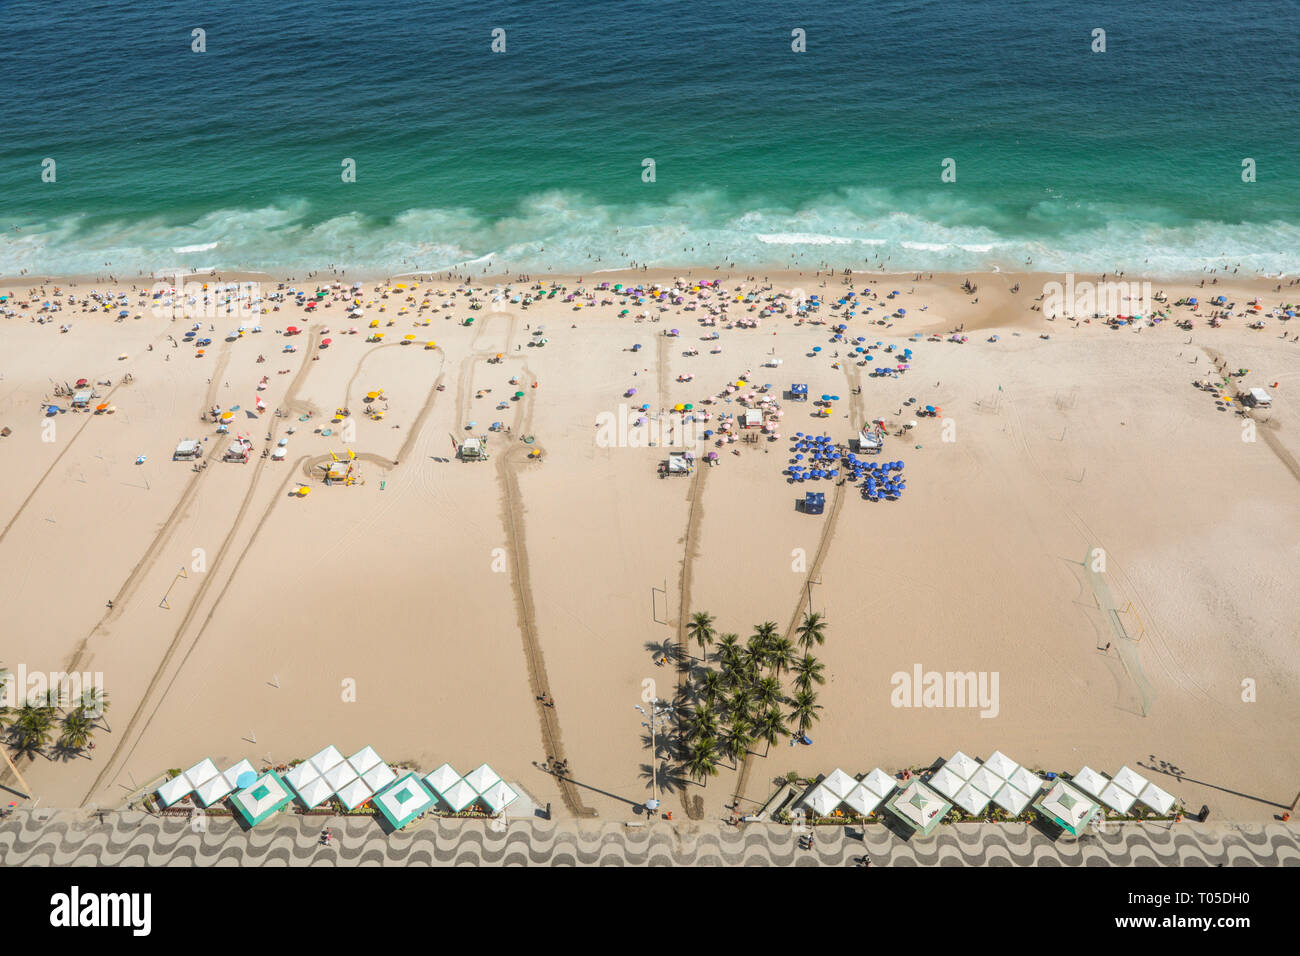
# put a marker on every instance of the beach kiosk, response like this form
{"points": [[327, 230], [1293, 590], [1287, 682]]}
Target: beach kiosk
{"points": [[1258, 398], [870, 441], [919, 807], [82, 398], [239, 450], [473, 449], [679, 463], [1067, 807], [814, 502], [402, 802], [187, 450], [267, 795], [798, 393]]}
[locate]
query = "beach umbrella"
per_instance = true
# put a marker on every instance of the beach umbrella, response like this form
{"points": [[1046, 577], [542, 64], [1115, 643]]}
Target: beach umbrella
{"points": [[324, 343], [817, 348], [519, 394]]}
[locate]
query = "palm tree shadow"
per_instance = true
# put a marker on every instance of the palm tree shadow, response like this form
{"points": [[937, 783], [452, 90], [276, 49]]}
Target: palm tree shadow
{"points": [[666, 649], [667, 777]]}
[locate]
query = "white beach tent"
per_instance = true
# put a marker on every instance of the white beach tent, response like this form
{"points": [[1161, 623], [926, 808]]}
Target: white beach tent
{"points": [[1091, 781], [1068, 806], [1157, 799], [947, 782], [961, 765], [839, 783], [499, 796], [327, 759], [442, 779], [238, 770], [1026, 782], [972, 800], [1130, 780], [1012, 799], [378, 777], [920, 806], [364, 759], [355, 794], [862, 799], [985, 781], [1001, 764], [459, 796], [822, 801], [339, 776], [482, 778], [301, 775], [174, 789], [1117, 797], [879, 783], [316, 792], [202, 772]]}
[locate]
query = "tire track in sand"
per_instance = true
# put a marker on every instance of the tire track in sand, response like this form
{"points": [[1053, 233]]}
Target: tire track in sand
{"points": [[139, 721], [693, 808]]}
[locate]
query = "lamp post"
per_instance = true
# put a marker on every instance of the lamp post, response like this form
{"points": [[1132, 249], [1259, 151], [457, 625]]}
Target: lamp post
{"points": [[657, 714]]}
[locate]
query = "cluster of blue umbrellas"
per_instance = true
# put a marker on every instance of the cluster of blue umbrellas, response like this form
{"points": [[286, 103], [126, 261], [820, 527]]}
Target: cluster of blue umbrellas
{"points": [[884, 479], [819, 452]]}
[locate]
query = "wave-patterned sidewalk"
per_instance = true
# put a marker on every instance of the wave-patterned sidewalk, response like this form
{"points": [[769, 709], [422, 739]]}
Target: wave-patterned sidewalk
{"points": [[67, 838]]}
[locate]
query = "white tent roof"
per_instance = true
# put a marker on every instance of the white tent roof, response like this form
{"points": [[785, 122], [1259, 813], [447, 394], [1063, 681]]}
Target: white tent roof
{"points": [[364, 759], [459, 796], [500, 795], [918, 803], [1157, 799], [339, 776], [482, 778], [863, 800], [839, 783], [238, 770], [961, 765], [821, 800], [879, 783], [213, 791], [301, 775], [947, 782], [1026, 782], [355, 794], [327, 758], [442, 779], [274, 794], [1001, 764], [174, 789], [1130, 780], [1117, 797], [1066, 803], [972, 800], [202, 772], [986, 782], [316, 792], [378, 777], [1091, 781], [1011, 799]]}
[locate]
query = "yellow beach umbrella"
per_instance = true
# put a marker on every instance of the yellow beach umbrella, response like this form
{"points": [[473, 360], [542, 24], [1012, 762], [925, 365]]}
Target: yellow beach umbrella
{"points": [[227, 416], [409, 338], [430, 345]]}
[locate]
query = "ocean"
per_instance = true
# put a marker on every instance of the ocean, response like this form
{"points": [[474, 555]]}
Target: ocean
{"points": [[533, 158]]}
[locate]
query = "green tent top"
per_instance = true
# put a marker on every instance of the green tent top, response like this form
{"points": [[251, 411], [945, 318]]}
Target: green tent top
{"points": [[263, 797], [1067, 807], [403, 801]]}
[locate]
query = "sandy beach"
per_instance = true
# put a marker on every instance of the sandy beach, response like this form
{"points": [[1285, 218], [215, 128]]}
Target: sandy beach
{"points": [[435, 607]]}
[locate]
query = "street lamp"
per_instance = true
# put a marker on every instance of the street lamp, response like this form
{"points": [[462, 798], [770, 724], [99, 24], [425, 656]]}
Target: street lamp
{"points": [[657, 715]]}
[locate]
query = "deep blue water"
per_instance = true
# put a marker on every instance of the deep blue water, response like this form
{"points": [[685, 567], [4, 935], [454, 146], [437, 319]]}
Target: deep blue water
{"points": [[532, 158]]}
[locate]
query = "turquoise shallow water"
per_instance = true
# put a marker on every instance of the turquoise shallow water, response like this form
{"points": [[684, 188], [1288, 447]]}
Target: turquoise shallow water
{"points": [[532, 159]]}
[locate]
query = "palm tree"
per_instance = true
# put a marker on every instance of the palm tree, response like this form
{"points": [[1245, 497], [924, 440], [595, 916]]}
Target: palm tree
{"points": [[77, 727], [770, 726], [767, 692], [729, 648], [703, 724], [700, 630], [805, 710], [738, 738], [780, 654], [31, 730], [808, 671], [811, 631], [740, 701], [703, 759], [710, 686], [763, 636]]}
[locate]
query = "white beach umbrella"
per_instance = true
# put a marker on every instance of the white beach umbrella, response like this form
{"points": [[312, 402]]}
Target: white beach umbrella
{"points": [[1117, 797], [947, 782], [1026, 782], [355, 794], [1012, 799], [1130, 780], [986, 782], [327, 758], [822, 801], [315, 792], [499, 796], [862, 799], [339, 776], [879, 783], [482, 778], [442, 779], [364, 759], [301, 775], [378, 777]]}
